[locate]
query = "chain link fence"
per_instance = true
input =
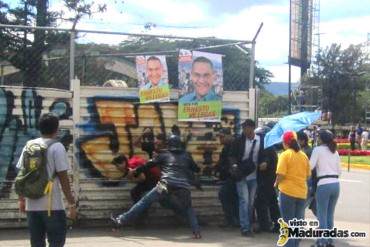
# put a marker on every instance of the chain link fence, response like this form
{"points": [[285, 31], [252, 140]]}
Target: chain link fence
{"points": [[50, 57]]}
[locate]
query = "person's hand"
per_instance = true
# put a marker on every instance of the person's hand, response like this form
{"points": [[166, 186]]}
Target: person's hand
{"points": [[275, 184], [72, 212], [131, 173], [263, 166], [22, 205]]}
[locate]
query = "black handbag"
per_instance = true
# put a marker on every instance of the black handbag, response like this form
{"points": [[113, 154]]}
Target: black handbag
{"points": [[245, 167]]}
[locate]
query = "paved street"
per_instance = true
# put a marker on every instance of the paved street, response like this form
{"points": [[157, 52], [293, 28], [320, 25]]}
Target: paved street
{"points": [[353, 212]]}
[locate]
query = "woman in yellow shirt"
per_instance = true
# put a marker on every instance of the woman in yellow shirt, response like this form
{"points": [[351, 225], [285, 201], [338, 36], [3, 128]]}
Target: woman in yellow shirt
{"points": [[293, 171]]}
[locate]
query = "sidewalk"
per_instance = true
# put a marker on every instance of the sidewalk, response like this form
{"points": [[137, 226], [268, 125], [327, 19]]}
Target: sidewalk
{"points": [[166, 237]]}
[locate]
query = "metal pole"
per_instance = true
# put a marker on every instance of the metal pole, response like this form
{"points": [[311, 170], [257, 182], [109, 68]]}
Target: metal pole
{"points": [[251, 67], [2, 73], [122, 33], [290, 66], [290, 89], [72, 57]]}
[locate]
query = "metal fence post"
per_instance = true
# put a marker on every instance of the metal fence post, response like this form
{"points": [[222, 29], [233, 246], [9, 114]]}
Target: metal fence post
{"points": [[72, 57]]}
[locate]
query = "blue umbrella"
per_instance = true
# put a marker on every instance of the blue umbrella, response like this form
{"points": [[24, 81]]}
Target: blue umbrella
{"points": [[294, 122]]}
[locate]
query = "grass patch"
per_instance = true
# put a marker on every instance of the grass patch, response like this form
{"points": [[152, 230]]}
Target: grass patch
{"points": [[356, 159]]}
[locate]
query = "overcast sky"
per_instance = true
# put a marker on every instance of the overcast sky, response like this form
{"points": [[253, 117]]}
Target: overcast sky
{"points": [[342, 21]]}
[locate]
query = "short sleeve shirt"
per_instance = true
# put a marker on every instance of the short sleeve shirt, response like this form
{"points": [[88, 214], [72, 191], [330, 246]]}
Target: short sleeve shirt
{"points": [[295, 168], [57, 161]]}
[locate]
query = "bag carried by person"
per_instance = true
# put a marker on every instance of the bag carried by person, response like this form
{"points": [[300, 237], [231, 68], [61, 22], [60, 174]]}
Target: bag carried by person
{"points": [[33, 180], [245, 167]]}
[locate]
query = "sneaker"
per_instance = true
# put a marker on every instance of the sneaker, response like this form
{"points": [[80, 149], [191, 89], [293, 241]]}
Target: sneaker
{"points": [[247, 234], [116, 221]]}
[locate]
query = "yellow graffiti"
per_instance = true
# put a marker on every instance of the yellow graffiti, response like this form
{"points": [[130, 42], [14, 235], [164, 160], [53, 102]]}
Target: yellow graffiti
{"points": [[129, 125]]}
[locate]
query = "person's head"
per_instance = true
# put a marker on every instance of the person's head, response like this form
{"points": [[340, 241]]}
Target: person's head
{"points": [[248, 128], [174, 143], [225, 136], [48, 125], [175, 130], [202, 75], [302, 139], [290, 141], [327, 138], [160, 141], [121, 162], [154, 70]]}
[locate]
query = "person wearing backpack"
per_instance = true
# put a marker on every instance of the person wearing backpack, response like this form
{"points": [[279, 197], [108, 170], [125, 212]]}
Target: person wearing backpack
{"points": [[42, 176]]}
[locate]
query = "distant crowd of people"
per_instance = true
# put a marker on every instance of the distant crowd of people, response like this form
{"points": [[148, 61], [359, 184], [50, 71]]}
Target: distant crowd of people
{"points": [[257, 187]]}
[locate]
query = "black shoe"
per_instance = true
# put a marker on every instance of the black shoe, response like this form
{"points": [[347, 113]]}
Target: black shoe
{"points": [[247, 234], [197, 235], [329, 245], [116, 221]]}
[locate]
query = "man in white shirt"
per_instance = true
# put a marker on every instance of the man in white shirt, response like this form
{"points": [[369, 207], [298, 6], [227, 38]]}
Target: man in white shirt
{"points": [[364, 139], [248, 145], [40, 223]]}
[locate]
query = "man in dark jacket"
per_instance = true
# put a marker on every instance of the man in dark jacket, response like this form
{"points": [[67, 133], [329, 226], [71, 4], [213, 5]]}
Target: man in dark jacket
{"points": [[177, 167], [227, 194], [247, 147], [266, 202]]}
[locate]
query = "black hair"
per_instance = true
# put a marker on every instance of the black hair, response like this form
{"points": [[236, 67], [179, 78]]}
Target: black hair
{"points": [[175, 130], [327, 138], [249, 123], [153, 58], [48, 124], [294, 145], [118, 160], [302, 136], [202, 60]]}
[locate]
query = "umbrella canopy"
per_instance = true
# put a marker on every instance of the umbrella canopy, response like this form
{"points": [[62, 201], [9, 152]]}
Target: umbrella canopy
{"points": [[294, 122]]}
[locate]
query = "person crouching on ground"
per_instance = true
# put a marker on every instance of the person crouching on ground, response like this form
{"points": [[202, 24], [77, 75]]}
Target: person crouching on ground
{"points": [[177, 167], [293, 171]]}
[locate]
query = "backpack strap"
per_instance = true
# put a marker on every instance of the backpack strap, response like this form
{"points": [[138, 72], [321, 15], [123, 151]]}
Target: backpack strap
{"points": [[49, 186]]}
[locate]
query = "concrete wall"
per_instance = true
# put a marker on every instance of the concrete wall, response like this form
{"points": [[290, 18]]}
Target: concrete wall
{"points": [[105, 122]]}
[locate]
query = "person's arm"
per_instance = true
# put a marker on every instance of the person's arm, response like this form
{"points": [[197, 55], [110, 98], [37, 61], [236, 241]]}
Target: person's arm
{"points": [[61, 171], [282, 168], [147, 166], [21, 199], [279, 178], [314, 158]]}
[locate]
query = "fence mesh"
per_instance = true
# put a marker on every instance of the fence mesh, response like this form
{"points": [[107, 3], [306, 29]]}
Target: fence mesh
{"points": [[42, 58]]}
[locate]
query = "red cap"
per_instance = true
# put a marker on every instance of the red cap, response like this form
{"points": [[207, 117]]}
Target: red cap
{"points": [[289, 136]]}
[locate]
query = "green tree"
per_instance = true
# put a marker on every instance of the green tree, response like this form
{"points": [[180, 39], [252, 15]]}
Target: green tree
{"points": [[25, 49], [272, 106], [341, 75]]}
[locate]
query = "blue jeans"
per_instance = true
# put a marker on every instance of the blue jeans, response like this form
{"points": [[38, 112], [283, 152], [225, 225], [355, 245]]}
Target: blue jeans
{"points": [[147, 200], [229, 200], [326, 199], [246, 194], [290, 208], [41, 225]]}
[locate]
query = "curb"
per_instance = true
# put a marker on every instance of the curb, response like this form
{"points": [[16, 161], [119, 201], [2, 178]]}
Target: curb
{"points": [[357, 166]]}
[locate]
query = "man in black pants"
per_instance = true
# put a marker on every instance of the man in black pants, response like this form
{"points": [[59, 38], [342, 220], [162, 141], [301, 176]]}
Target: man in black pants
{"points": [[227, 194], [178, 169], [266, 202]]}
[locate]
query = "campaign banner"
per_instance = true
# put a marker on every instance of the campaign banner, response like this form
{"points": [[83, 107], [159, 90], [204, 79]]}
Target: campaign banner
{"points": [[200, 86], [152, 75]]}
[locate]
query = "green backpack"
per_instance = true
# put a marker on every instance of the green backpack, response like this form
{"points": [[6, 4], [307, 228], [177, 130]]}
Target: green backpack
{"points": [[33, 177]]}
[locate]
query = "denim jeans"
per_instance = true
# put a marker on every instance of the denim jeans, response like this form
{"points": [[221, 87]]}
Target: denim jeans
{"points": [[229, 200], [326, 199], [291, 208], [146, 201], [41, 225], [246, 194]]}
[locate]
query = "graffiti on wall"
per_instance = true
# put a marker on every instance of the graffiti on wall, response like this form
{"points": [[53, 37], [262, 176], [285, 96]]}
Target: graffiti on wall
{"points": [[18, 124], [115, 122]]}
